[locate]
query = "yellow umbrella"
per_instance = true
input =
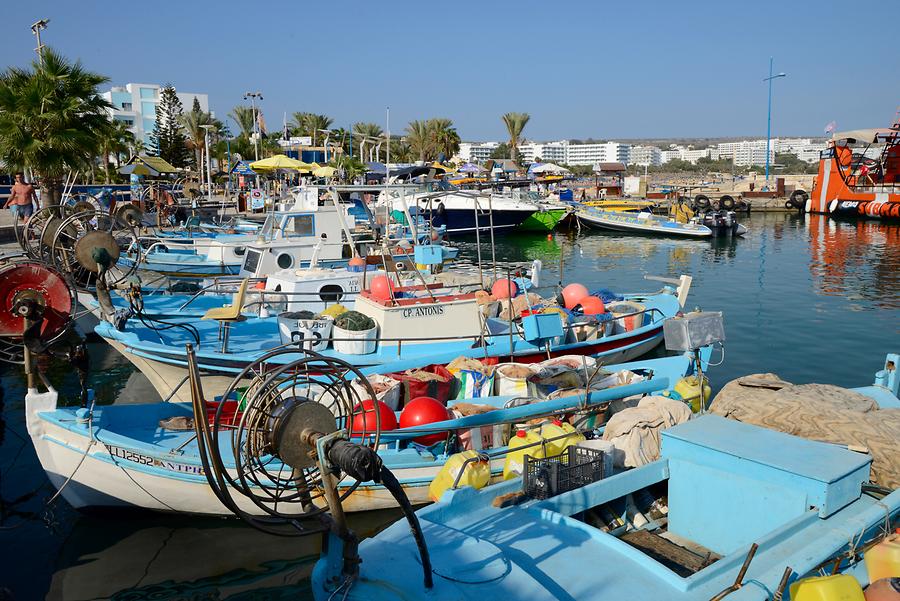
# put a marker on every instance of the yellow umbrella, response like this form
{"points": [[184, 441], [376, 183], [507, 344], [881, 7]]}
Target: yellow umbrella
{"points": [[279, 161], [437, 165], [325, 172]]}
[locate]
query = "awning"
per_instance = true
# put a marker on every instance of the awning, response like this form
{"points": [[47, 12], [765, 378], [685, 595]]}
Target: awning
{"points": [[866, 136], [149, 166]]}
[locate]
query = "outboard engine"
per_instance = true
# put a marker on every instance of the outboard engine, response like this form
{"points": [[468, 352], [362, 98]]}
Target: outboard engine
{"points": [[722, 223]]}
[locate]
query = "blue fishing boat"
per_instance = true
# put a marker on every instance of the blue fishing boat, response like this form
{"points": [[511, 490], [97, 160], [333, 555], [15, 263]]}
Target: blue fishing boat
{"points": [[130, 455], [420, 323], [747, 513]]}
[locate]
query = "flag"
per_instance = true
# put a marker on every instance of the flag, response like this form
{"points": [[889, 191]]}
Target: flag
{"points": [[261, 122], [830, 127]]}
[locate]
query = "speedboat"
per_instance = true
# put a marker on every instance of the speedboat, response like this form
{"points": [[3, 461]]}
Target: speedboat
{"points": [[709, 225]]}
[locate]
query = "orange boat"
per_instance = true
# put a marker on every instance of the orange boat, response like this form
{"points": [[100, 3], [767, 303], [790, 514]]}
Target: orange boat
{"points": [[859, 175]]}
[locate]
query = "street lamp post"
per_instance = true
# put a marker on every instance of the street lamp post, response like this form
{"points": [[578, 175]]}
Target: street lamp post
{"points": [[36, 29], [769, 119], [253, 97]]}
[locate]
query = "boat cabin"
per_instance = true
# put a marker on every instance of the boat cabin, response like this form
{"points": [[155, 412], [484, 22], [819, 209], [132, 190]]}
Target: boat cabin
{"points": [[421, 314], [859, 174]]}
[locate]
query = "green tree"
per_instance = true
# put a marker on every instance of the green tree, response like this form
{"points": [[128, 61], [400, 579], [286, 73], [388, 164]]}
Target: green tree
{"points": [[401, 151], [116, 139], [194, 123], [420, 139], [515, 124], [310, 124], [168, 139], [52, 120], [446, 139], [501, 152], [244, 117]]}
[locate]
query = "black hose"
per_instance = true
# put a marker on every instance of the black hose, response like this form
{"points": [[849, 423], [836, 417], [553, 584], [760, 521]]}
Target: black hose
{"points": [[391, 483]]}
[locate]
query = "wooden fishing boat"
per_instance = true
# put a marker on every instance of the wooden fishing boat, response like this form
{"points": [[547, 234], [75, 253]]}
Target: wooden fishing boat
{"points": [[420, 323], [121, 456]]}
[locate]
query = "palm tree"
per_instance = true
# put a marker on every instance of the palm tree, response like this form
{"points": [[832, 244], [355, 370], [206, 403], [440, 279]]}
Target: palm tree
{"points": [[401, 151], [116, 139], [243, 116], [51, 119], [193, 122], [446, 139], [420, 137], [310, 124], [515, 123]]}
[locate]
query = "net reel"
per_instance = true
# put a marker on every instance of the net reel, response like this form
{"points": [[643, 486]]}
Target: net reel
{"points": [[285, 448], [87, 246], [35, 236], [37, 309]]}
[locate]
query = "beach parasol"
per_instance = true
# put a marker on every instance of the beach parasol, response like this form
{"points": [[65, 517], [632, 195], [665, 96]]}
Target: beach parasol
{"points": [[324, 172], [279, 161]]}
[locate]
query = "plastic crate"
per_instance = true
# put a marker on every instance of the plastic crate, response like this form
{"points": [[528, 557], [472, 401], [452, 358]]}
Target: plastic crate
{"points": [[550, 476]]}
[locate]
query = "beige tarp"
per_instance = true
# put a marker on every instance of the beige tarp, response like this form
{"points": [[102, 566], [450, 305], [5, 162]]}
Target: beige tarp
{"points": [[817, 412]]}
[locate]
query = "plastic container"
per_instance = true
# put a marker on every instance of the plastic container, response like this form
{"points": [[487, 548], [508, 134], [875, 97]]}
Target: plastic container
{"points": [[310, 334], [514, 465], [609, 453], [624, 316], [687, 389], [546, 477], [839, 587], [883, 560], [515, 384], [476, 473], [559, 436], [349, 342]]}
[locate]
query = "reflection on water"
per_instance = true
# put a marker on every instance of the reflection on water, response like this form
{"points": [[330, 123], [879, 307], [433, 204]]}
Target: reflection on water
{"points": [[859, 260], [808, 298], [168, 557]]}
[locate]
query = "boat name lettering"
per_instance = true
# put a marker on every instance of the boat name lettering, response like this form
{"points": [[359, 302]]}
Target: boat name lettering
{"points": [[423, 311], [135, 457]]}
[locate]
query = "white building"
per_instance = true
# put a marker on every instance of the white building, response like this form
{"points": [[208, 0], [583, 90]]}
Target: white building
{"points": [[591, 154], [684, 153], [645, 156], [477, 152], [746, 152], [135, 104], [548, 152]]}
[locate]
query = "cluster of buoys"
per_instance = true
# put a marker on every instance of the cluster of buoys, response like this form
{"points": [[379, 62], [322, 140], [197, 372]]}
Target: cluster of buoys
{"points": [[575, 295], [420, 411]]}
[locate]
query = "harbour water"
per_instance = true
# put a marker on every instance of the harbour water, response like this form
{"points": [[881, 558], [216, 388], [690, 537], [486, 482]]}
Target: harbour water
{"points": [[808, 298]]}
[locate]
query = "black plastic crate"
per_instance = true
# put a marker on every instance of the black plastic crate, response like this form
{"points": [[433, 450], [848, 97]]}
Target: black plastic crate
{"points": [[550, 476]]}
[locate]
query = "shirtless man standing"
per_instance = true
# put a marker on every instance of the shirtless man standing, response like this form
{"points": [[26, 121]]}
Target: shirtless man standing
{"points": [[20, 199]]}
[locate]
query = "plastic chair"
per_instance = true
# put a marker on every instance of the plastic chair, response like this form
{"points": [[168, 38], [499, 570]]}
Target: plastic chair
{"points": [[229, 314]]}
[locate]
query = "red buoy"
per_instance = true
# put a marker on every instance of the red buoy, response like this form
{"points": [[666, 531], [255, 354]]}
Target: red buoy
{"points": [[591, 305], [382, 288], [421, 411], [504, 288], [573, 293], [365, 420]]}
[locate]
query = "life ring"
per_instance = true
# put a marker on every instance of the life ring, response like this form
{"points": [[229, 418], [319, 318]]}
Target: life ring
{"points": [[701, 200], [726, 202]]}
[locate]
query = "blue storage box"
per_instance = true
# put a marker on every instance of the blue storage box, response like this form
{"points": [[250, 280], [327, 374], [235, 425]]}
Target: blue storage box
{"points": [[731, 483], [541, 327], [429, 254]]}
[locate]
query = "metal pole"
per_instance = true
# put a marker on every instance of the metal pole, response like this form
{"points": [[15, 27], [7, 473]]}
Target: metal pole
{"points": [[769, 122]]}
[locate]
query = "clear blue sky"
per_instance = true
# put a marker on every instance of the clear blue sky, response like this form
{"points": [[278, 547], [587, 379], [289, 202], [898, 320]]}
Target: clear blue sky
{"points": [[581, 69]]}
